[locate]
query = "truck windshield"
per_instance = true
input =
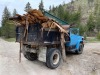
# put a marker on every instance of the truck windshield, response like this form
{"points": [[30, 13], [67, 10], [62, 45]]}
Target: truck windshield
{"points": [[74, 31]]}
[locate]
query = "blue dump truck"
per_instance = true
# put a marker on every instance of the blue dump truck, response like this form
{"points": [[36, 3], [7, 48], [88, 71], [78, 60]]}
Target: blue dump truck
{"points": [[46, 45]]}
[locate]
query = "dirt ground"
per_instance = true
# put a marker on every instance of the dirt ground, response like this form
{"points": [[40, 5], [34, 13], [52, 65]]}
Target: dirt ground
{"points": [[87, 63]]}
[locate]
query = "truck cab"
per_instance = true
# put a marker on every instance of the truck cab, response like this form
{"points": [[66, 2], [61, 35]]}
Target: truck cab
{"points": [[76, 43]]}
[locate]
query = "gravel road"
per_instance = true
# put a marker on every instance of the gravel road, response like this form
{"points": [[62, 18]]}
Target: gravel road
{"points": [[87, 63]]}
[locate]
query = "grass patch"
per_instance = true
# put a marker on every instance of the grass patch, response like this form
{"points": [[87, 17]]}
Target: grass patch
{"points": [[92, 39], [10, 39]]}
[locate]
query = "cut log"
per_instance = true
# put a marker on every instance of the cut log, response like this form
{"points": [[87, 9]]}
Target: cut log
{"points": [[61, 28], [63, 47], [36, 16], [38, 12]]}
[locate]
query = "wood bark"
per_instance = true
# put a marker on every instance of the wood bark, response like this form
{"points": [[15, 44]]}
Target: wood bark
{"points": [[63, 46], [36, 16]]}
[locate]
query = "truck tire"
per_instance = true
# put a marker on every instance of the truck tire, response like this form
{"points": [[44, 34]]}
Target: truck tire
{"points": [[30, 56], [80, 50], [53, 58]]}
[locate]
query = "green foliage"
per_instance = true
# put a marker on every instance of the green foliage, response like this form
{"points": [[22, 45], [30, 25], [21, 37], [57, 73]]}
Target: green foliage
{"points": [[0, 31], [5, 16], [92, 40], [41, 6], [98, 36], [8, 28], [72, 1], [97, 17], [64, 14], [28, 7], [75, 18], [96, 8], [85, 37], [10, 39], [91, 23], [90, 0], [82, 30], [54, 10], [60, 11], [69, 17], [50, 8], [90, 3], [14, 12], [97, 23]]}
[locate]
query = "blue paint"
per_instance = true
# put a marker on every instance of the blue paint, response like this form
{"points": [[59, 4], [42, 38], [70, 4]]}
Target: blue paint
{"points": [[75, 38]]}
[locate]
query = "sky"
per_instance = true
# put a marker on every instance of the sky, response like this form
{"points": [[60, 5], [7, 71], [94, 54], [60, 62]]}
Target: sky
{"points": [[19, 5]]}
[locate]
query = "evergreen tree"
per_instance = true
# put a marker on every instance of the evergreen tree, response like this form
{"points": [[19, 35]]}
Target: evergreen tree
{"points": [[76, 16], [5, 16], [28, 7], [72, 1], [0, 32], [8, 31], [54, 10], [97, 20], [50, 8], [14, 12], [90, 3], [41, 6], [97, 24], [64, 3], [66, 16], [97, 16], [8, 28], [60, 12], [91, 23]]}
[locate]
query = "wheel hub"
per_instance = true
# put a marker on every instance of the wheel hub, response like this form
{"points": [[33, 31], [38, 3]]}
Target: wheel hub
{"points": [[55, 58]]}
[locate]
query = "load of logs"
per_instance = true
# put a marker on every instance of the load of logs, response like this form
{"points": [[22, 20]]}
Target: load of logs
{"points": [[36, 16]]}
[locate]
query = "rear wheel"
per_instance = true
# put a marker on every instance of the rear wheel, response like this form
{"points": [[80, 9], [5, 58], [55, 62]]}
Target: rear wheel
{"points": [[80, 49], [30, 56], [53, 58]]}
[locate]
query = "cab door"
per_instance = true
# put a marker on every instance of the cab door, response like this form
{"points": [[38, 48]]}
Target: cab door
{"points": [[74, 33]]}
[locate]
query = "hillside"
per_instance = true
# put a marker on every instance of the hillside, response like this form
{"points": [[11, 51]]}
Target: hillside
{"points": [[87, 7], [84, 14]]}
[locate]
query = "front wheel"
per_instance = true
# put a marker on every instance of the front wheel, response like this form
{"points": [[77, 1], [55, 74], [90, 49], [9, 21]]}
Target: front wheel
{"points": [[80, 50], [53, 58]]}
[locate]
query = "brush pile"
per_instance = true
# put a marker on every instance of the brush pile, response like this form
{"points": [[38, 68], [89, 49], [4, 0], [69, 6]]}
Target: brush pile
{"points": [[36, 16]]}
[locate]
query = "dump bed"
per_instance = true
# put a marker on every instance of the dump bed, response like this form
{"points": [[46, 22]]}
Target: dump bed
{"points": [[38, 36]]}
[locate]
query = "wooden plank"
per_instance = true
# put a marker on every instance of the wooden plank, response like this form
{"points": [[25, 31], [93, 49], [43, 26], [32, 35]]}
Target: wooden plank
{"points": [[20, 50]]}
